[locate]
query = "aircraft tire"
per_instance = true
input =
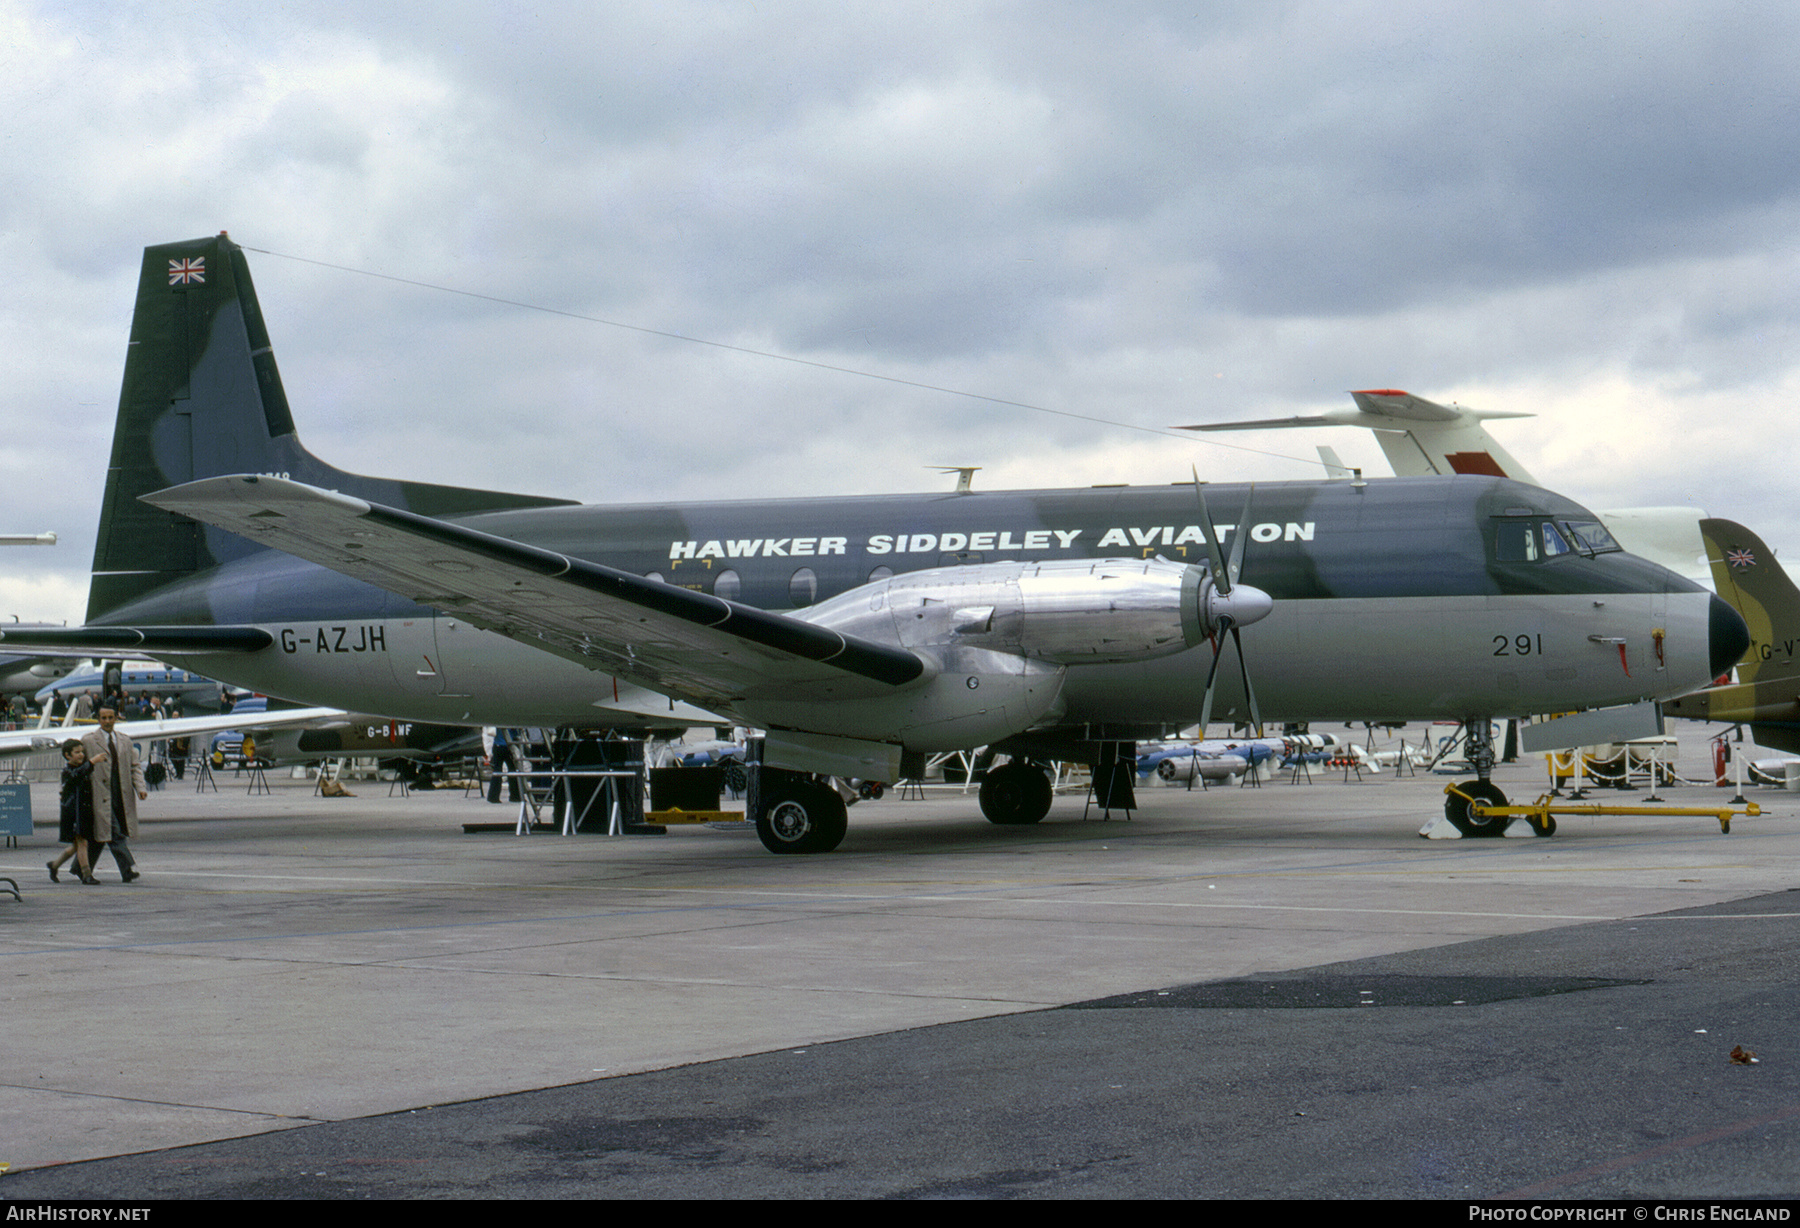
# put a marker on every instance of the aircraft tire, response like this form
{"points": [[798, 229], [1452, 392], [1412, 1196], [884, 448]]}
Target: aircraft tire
{"points": [[1016, 794], [1459, 813], [802, 817]]}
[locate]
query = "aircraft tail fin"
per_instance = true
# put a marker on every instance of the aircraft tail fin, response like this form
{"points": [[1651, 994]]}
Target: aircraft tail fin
{"points": [[202, 397], [1750, 579]]}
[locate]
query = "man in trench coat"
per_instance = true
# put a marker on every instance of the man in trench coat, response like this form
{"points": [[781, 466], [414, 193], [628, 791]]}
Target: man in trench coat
{"points": [[118, 788]]}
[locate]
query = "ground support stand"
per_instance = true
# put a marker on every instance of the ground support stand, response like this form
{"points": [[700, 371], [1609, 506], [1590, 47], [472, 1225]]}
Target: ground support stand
{"points": [[535, 798]]}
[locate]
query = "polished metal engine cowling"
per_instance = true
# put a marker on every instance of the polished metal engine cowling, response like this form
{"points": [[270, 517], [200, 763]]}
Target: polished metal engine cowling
{"points": [[1068, 611]]}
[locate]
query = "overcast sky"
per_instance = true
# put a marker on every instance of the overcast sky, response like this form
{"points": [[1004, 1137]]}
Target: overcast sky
{"points": [[1144, 213]]}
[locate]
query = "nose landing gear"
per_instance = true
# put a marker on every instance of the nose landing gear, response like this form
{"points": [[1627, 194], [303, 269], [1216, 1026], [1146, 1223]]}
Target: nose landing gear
{"points": [[1460, 803], [1459, 808]]}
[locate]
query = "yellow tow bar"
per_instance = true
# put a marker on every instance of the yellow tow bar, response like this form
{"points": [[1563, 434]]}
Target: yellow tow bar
{"points": [[1542, 812]]}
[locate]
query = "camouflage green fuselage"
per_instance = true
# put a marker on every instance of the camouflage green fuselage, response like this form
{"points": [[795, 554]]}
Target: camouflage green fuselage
{"points": [[1368, 580]]}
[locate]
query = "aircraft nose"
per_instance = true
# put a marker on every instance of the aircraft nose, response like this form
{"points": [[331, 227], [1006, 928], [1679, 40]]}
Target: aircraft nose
{"points": [[1728, 638]]}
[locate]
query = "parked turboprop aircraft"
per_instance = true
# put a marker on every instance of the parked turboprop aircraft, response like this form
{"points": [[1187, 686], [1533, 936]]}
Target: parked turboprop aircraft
{"points": [[860, 633], [197, 694], [1766, 695], [1422, 437], [413, 747]]}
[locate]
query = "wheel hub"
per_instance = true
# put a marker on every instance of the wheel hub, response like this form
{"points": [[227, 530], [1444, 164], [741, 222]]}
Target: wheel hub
{"points": [[789, 821]]}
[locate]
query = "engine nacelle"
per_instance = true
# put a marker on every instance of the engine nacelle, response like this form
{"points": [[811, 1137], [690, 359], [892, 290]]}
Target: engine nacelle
{"points": [[969, 697], [998, 639], [1066, 611]]}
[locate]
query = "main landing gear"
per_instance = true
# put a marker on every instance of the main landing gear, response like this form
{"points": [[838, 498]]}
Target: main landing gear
{"points": [[796, 813], [1015, 793]]}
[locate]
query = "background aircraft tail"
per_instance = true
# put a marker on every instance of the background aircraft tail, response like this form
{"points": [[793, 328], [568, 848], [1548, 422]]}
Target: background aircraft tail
{"points": [[1422, 437], [1748, 576], [202, 398]]}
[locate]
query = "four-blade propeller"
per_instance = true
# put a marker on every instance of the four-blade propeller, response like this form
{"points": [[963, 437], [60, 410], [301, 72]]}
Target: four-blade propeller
{"points": [[1228, 605]]}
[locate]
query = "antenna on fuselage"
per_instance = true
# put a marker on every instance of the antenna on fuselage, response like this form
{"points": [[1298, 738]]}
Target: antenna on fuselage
{"points": [[1334, 464], [965, 475]]}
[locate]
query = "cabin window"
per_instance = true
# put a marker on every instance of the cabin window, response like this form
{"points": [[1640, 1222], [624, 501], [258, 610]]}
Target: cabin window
{"points": [[880, 573], [727, 585], [654, 575], [803, 588]]}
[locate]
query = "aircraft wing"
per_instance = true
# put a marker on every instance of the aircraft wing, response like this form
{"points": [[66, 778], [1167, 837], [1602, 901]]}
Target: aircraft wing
{"points": [[49, 737], [672, 640]]}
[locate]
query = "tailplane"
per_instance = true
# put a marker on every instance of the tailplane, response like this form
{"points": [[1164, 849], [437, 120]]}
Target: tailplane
{"points": [[202, 398], [1420, 437]]}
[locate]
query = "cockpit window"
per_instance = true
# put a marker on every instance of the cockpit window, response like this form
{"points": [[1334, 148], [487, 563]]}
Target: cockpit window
{"points": [[1553, 541], [1591, 535], [1515, 541], [1533, 540]]}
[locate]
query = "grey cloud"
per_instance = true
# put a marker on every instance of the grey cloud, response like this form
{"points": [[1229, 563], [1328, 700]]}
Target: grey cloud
{"points": [[1145, 212]]}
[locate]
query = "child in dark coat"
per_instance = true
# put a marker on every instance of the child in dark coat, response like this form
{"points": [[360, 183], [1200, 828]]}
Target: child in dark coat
{"points": [[77, 812]]}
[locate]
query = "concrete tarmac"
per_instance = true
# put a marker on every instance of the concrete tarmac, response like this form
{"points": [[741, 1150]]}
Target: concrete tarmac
{"points": [[1259, 992]]}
